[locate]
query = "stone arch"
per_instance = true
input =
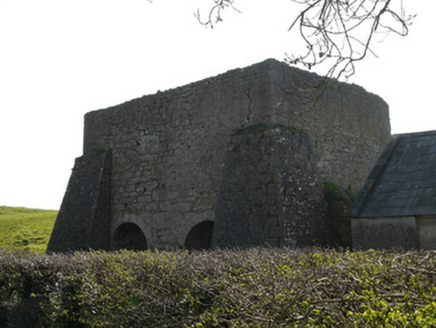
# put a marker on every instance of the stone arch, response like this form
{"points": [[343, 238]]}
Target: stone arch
{"points": [[200, 236], [129, 236]]}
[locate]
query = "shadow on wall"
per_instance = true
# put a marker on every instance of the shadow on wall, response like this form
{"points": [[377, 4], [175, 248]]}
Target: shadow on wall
{"points": [[200, 236], [129, 236]]}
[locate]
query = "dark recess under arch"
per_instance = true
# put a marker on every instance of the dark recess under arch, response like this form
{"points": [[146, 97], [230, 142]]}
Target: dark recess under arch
{"points": [[200, 236], [129, 236]]}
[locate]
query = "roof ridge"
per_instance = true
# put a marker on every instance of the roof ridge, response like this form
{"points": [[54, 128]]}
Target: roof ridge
{"points": [[414, 134]]}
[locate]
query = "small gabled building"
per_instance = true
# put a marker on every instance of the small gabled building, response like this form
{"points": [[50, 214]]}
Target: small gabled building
{"points": [[397, 205]]}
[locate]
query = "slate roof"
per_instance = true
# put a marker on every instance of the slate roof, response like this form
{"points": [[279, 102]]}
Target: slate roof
{"points": [[403, 182]]}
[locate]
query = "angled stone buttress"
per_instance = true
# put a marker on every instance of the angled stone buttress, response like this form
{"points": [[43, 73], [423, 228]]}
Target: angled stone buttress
{"points": [[83, 221]]}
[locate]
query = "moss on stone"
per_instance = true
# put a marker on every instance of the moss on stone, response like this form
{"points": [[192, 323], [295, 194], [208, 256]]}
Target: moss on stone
{"points": [[334, 192]]}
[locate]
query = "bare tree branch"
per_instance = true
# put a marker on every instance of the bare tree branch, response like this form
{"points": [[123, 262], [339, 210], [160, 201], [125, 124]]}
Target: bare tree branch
{"points": [[215, 13], [337, 33]]}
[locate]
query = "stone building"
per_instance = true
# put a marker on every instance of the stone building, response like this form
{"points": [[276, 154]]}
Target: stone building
{"points": [[234, 160], [397, 206]]}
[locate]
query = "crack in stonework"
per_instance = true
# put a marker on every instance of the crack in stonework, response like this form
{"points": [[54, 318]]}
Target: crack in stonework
{"points": [[248, 118]]}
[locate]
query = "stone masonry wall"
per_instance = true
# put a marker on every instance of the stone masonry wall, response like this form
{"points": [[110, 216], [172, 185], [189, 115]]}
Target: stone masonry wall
{"points": [[270, 192], [168, 149], [349, 127]]}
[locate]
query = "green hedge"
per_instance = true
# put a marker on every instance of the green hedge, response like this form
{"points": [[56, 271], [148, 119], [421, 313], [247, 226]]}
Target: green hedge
{"points": [[256, 287]]}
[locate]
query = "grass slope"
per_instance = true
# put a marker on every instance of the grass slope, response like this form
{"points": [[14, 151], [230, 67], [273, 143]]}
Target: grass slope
{"points": [[25, 228]]}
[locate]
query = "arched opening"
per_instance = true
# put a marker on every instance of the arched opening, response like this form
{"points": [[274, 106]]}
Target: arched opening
{"points": [[129, 236], [200, 236]]}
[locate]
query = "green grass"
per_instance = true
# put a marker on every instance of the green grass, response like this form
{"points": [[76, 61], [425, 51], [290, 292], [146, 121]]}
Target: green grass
{"points": [[25, 228]]}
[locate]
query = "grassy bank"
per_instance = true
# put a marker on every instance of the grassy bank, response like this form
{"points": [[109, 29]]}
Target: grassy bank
{"points": [[24, 228], [256, 287]]}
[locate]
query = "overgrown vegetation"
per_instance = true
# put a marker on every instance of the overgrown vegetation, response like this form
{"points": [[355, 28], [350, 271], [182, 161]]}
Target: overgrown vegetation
{"points": [[256, 287], [24, 228], [334, 192]]}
